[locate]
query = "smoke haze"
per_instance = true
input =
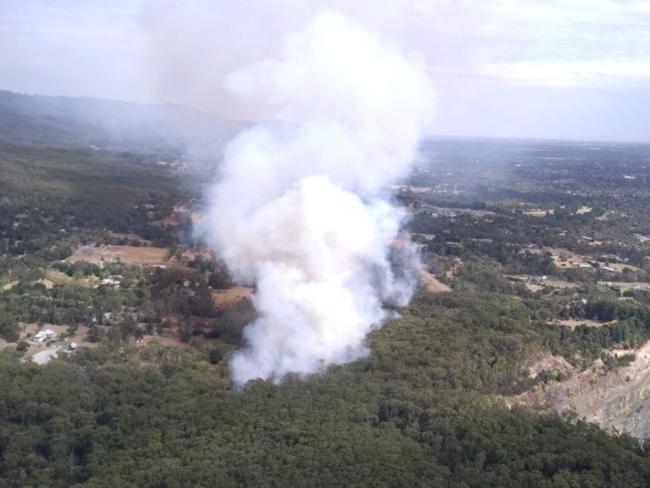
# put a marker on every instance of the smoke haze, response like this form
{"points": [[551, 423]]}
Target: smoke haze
{"points": [[298, 206], [560, 69]]}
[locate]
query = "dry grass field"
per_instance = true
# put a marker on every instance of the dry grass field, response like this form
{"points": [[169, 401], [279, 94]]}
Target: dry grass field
{"points": [[130, 255], [573, 323], [433, 284], [224, 298]]}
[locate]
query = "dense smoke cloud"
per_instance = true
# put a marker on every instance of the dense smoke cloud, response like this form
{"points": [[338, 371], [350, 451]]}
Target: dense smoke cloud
{"points": [[298, 208], [192, 46]]}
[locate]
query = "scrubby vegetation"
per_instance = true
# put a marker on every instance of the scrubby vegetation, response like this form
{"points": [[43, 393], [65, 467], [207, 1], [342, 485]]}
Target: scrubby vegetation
{"points": [[151, 403], [412, 413]]}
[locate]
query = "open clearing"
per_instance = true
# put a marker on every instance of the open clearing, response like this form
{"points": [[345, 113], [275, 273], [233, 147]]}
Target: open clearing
{"points": [[79, 336], [562, 258], [46, 353], [565, 259], [573, 323], [554, 283], [173, 219], [224, 298], [549, 362], [539, 212], [53, 277], [620, 267], [623, 286], [57, 277], [538, 283], [433, 284], [130, 255]]}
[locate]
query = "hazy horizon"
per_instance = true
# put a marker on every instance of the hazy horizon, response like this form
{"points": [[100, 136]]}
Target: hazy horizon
{"points": [[428, 137], [564, 70]]}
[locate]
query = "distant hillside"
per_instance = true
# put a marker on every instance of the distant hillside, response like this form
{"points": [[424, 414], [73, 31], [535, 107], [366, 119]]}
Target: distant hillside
{"points": [[65, 121]]}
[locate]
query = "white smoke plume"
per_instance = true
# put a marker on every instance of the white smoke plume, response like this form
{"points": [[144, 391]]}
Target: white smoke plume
{"points": [[298, 205]]}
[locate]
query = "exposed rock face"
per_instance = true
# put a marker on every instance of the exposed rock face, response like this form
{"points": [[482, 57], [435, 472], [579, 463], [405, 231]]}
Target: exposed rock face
{"points": [[618, 400], [549, 363]]}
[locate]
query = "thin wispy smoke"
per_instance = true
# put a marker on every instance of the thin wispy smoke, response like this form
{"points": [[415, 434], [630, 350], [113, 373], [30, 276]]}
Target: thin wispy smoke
{"points": [[298, 205]]}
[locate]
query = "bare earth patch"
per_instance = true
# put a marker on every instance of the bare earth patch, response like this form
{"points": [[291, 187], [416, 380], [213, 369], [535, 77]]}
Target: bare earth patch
{"points": [[433, 284], [224, 298], [534, 288], [56, 277], [606, 216], [565, 259], [549, 362], [46, 283], [624, 286], [573, 323], [539, 212], [554, 283], [620, 267], [130, 255], [199, 252], [538, 283], [174, 218], [616, 399]]}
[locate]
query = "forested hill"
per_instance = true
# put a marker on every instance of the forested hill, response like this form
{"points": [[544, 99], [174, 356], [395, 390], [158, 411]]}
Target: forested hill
{"points": [[536, 294], [66, 122]]}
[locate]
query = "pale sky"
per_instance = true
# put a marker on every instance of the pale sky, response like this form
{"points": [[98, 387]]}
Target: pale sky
{"points": [[575, 69]]}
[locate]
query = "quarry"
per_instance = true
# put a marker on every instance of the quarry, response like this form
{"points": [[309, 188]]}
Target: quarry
{"points": [[616, 400]]}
